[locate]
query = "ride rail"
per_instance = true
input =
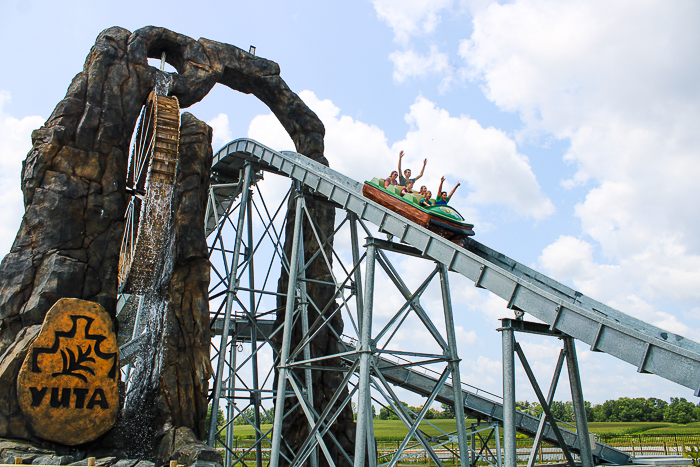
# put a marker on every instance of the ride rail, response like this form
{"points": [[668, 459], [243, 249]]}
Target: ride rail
{"points": [[650, 349]]}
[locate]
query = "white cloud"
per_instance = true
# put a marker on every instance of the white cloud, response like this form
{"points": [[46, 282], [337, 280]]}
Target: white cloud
{"points": [[15, 143], [220, 129], [410, 17], [619, 285], [619, 81], [353, 148], [410, 64], [484, 160]]}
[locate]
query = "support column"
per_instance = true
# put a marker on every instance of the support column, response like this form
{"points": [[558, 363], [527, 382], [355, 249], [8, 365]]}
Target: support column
{"points": [[252, 319], [365, 350], [232, 287], [543, 420], [304, 310], [357, 278], [472, 436], [454, 366], [584, 439], [287, 336], [231, 406], [499, 460], [509, 440]]}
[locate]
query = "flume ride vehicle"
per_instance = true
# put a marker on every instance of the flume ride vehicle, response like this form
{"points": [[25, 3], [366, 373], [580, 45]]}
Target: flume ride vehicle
{"points": [[442, 219]]}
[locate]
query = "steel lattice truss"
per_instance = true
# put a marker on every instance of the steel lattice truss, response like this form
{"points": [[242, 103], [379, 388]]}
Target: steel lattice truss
{"points": [[246, 225]]}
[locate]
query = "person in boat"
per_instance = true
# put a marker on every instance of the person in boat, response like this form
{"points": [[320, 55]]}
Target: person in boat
{"points": [[408, 189], [391, 179], [425, 201], [443, 198], [421, 193], [406, 175]]}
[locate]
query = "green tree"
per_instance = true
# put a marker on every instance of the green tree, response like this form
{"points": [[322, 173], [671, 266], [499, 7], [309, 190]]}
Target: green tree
{"points": [[448, 410], [563, 411], [248, 416], [654, 409], [680, 411], [387, 413], [626, 409], [220, 422]]}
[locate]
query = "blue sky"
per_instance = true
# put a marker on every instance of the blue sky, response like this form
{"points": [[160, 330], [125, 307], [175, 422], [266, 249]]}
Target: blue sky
{"points": [[571, 126]]}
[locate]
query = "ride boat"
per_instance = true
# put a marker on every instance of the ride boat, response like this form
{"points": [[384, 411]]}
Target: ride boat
{"points": [[442, 219]]}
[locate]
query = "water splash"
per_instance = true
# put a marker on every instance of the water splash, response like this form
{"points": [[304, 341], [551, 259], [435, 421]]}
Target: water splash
{"points": [[163, 82], [152, 273]]}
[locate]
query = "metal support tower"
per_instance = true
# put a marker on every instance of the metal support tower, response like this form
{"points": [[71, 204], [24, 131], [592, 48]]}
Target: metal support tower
{"points": [[510, 348], [239, 317], [242, 305], [244, 228]]}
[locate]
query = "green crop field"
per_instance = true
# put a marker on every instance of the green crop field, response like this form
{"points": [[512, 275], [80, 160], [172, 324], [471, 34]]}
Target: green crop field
{"points": [[395, 429], [629, 428]]}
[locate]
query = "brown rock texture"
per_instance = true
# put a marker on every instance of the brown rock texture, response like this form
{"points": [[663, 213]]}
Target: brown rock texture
{"points": [[182, 445], [68, 384], [73, 182], [10, 365]]}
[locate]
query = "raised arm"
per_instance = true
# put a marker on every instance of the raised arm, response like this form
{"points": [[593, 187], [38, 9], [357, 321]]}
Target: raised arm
{"points": [[437, 196], [400, 157], [453, 190], [425, 161]]}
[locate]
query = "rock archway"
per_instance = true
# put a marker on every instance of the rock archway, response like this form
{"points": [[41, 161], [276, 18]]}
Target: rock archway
{"points": [[73, 182]]}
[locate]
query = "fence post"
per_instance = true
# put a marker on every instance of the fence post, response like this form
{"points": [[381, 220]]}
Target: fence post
{"points": [[541, 453]]}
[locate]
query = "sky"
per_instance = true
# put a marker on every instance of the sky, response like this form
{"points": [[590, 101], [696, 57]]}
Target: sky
{"points": [[571, 126]]}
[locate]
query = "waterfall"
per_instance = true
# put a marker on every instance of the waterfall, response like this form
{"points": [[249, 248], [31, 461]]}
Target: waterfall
{"points": [[156, 228]]}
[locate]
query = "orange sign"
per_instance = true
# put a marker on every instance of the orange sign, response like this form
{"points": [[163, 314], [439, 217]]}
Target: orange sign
{"points": [[68, 384]]}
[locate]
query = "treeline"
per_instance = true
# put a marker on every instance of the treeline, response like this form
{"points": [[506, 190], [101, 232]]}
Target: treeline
{"points": [[625, 409]]}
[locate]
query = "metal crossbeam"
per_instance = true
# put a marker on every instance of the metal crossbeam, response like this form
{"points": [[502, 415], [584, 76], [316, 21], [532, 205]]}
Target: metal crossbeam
{"points": [[647, 347], [236, 170]]}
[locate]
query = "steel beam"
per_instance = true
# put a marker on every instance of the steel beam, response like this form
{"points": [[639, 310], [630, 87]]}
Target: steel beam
{"points": [[454, 366], [287, 335], [543, 420], [232, 283], [509, 440], [545, 406], [365, 350], [579, 403]]}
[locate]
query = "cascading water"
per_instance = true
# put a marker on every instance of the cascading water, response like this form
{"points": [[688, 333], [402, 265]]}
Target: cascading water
{"points": [[149, 276], [142, 387]]}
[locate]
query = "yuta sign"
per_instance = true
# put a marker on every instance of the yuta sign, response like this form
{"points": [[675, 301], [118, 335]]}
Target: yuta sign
{"points": [[68, 383]]}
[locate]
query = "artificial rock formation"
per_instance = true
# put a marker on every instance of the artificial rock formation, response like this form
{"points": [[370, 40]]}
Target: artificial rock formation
{"points": [[73, 182]]}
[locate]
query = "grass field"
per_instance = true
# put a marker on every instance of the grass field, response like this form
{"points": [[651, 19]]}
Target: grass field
{"points": [[395, 429], [631, 428]]}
